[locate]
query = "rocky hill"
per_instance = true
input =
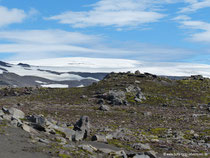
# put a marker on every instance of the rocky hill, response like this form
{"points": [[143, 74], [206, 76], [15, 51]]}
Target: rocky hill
{"points": [[124, 115]]}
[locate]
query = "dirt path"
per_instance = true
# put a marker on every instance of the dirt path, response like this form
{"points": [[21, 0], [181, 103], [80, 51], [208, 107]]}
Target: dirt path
{"points": [[14, 143]]}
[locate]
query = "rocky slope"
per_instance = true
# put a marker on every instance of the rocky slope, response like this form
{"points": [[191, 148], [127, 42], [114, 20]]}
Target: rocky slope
{"points": [[124, 115]]}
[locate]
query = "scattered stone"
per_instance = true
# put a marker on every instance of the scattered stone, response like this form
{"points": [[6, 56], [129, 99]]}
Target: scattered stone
{"points": [[147, 114], [100, 101], [99, 138], [141, 156], [83, 96], [61, 140], [140, 97], [154, 140], [5, 110], [20, 104], [120, 153], [15, 123], [137, 82], [45, 141], [140, 146], [151, 154], [137, 72], [1, 113], [88, 148], [133, 89], [208, 109], [104, 108], [7, 117]]}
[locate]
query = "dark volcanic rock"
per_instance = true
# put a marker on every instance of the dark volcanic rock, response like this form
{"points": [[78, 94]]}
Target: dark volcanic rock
{"points": [[24, 65], [4, 64]]}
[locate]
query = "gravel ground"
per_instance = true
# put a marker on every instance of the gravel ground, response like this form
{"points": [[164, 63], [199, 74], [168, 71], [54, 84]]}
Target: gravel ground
{"points": [[14, 143]]}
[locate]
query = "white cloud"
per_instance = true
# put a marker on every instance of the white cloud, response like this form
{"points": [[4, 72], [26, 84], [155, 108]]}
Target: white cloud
{"points": [[10, 16], [201, 29], [117, 13], [48, 37], [203, 36], [182, 17], [58, 43], [195, 5]]}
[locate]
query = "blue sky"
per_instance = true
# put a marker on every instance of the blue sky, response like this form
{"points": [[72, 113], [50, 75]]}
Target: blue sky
{"points": [[146, 30]]}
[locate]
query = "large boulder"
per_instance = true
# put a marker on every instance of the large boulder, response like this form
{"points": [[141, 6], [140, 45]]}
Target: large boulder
{"points": [[38, 119], [99, 138], [79, 136], [16, 113], [82, 126], [117, 97], [38, 122]]}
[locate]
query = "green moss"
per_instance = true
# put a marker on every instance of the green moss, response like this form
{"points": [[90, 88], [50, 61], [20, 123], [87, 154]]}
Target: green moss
{"points": [[130, 98], [119, 144], [60, 133], [158, 131], [64, 156]]}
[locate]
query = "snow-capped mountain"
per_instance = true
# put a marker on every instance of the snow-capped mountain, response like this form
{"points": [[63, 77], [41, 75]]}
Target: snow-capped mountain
{"points": [[21, 75], [78, 71]]}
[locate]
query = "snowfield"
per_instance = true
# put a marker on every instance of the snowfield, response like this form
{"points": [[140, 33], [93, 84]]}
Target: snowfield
{"points": [[80, 64], [55, 86], [35, 71]]}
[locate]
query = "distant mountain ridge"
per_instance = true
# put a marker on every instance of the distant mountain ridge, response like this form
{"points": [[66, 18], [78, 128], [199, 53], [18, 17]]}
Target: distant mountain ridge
{"points": [[25, 75], [80, 71]]}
